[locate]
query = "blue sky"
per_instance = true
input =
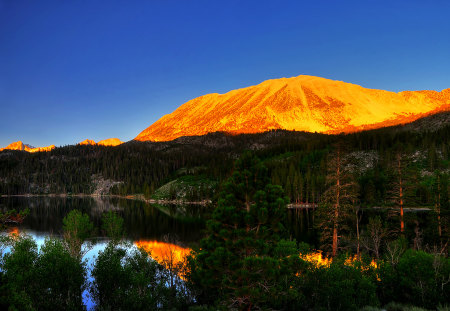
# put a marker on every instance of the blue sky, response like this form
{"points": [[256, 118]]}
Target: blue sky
{"points": [[71, 70]]}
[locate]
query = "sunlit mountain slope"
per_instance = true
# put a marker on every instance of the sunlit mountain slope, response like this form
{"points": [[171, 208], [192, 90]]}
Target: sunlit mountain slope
{"points": [[18, 145], [303, 103], [104, 142]]}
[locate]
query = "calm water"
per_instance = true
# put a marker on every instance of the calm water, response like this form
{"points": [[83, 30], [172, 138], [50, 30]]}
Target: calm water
{"points": [[156, 228], [142, 221]]}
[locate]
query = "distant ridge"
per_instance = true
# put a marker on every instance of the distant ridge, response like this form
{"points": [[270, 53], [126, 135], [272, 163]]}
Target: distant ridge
{"points": [[104, 142], [18, 145], [303, 103]]}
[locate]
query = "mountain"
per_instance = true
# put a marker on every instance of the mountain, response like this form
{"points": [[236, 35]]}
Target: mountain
{"points": [[18, 145], [303, 103], [104, 142], [87, 142], [110, 142]]}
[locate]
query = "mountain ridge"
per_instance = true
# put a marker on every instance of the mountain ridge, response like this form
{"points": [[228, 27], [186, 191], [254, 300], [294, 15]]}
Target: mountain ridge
{"points": [[19, 145], [303, 103], [111, 142]]}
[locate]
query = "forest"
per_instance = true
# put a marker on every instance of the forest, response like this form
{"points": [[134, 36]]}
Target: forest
{"points": [[381, 216], [297, 161], [245, 260]]}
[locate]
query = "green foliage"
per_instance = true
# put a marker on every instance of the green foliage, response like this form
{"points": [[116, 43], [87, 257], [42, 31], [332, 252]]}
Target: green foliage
{"points": [[337, 200], [20, 282], [112, 225], [242, 263], [187, 188], [395, 306], [77, 228], [50, 279], [417, 277], [61, 278], [132, 281], [338, 287]]}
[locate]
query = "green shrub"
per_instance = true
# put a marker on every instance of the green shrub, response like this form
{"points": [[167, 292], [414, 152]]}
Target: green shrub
{"points": [[338, 287], [418, 278]]}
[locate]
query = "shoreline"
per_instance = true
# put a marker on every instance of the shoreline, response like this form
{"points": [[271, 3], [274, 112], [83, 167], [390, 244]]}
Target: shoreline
{"points": [[137, 197], [140, 197]]}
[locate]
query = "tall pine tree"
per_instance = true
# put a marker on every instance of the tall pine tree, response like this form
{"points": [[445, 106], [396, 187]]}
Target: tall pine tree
{"points": [[337, 200], [242, 260]]}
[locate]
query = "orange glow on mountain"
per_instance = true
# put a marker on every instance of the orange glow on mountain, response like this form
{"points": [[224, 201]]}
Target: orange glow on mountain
{"points": [[303, 103], [42, 149], [104, 142], [110, 142], [18, 145], [87, 142], [167, 254]]}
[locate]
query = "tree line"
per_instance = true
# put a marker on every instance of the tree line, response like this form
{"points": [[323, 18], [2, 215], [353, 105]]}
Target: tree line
{"points": [[296, 161], [245, 261]]}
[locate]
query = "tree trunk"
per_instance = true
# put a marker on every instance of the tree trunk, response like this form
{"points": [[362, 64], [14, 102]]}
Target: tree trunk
{"points": [[337, 206], [335, 239], [357, 232], [400, 184], [438, 209]]}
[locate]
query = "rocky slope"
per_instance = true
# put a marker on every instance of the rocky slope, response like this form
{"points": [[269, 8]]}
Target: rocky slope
{"points": [[303, 103]]}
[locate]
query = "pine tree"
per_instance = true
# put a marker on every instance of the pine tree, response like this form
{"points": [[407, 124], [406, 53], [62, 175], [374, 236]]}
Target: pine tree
{"points": [[400, 186], [337, 200], [241, 259], [442, 205]]}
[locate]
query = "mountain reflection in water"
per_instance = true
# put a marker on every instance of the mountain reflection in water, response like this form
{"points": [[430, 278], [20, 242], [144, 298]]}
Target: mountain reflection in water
{"points": [[141, 221]]}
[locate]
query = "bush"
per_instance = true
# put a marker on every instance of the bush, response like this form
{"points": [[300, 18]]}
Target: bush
{"points": [[418, 278], [338, 287], [47, 280], [61, 278], [132, 281], [20, 282]]}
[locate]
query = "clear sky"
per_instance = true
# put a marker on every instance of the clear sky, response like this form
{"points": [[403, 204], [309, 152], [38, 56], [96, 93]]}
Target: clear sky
{"points": [[71, 70]]}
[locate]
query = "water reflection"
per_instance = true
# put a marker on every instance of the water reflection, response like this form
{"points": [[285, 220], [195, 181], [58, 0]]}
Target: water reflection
{"points": [[169, 255], [300, 224], [141, 221]]}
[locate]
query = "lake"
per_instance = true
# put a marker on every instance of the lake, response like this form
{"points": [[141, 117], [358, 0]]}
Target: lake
{"points": [[161, 229], [157, 228], [142, 221]]}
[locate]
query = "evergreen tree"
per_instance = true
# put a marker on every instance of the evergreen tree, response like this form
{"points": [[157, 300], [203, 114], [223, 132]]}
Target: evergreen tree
{"points": [[442, 206], [335, 208], [241, 260], [400, 187]]}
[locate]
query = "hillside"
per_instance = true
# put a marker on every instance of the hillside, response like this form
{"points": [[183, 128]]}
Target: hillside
{"points": [[193, 167], [303, 103]]}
